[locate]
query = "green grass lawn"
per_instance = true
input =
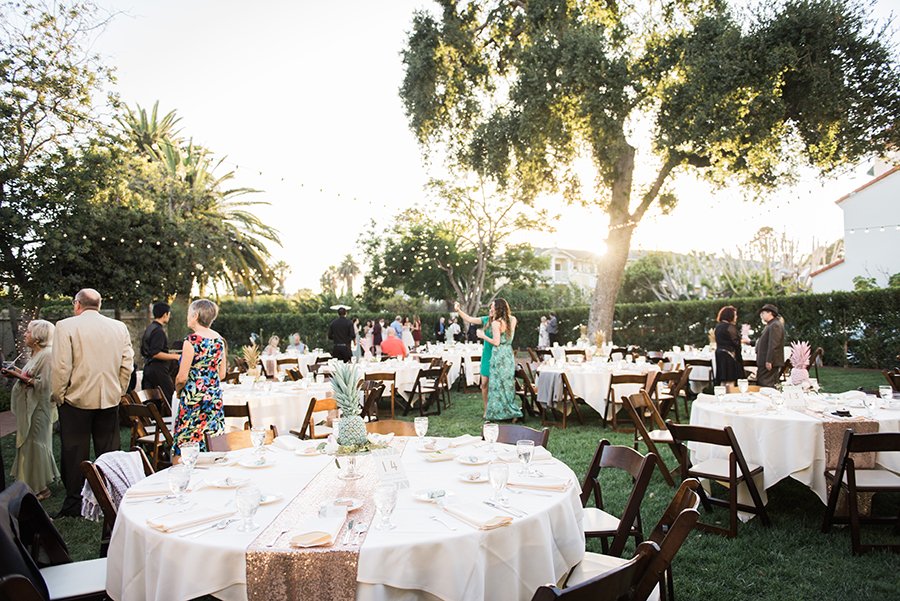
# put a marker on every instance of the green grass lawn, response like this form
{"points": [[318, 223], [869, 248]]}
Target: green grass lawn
{"points": [[791, 560]]}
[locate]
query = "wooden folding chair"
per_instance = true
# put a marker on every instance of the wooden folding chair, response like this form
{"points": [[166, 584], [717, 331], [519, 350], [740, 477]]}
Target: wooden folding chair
{"points": [[512, 433], [159, 442], [646, 381], [617, 583], [893, 378], [389, 426], [676, 382], [384, 378], [286, 362], [785, 370], [574, 352], [373, 393], [155, 396], [750, 369], [734, 471], [707, 383], [97, 482], [443, 381], [526, 392], [424, 392], [308, 429], [239, 411], [532, 355], [239, 439], [598, 523], [294, 374], [641, 410], [567, 399], [817, 359], [232, 377], [621, 351], [853, 481]]}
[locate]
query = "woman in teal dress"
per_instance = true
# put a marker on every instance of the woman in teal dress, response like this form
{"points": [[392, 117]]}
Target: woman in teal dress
{"points": [[502, 403], [486, 352]]}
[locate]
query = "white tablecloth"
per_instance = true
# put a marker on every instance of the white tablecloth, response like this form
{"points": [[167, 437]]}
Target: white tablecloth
{"points": [[461, 362], [270, 362], [281, 404], [420, 555], [590, 381], [786, 442]]}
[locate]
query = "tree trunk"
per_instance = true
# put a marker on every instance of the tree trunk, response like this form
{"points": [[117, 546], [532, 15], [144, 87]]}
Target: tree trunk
{"points": [[610, 272]]}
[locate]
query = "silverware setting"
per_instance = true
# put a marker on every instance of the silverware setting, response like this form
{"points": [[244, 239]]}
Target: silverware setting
{"points": [[513, 512], [346, 539], [359, 530], [528, 492], [277, 538], [220, 525], [442, 522]]}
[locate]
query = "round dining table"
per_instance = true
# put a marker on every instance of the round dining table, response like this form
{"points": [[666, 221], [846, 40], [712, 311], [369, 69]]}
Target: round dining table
{"points": [[590, 381], [786, 442], [280, 404], [430, 554]]}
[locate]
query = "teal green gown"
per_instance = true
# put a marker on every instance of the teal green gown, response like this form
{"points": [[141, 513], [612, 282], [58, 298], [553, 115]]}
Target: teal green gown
{"points": [[502, 402]]}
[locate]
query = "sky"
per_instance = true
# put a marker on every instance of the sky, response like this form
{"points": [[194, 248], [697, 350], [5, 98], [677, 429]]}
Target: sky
{"points": [[301, 97]]}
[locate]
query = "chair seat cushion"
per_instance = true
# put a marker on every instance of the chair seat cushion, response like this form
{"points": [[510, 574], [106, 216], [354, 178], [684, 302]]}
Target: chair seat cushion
{"points": [[873, 479], [597, 520], [660, 436], [75, 579], [718, 468], [595, 564]]}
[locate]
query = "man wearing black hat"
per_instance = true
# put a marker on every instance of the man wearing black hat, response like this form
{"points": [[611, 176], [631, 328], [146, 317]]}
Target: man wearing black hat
{"points": [[770, 347], [340, 331]]}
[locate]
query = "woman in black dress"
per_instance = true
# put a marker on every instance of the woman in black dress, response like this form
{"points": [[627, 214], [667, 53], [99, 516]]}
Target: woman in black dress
{"points": [[729, 362]]}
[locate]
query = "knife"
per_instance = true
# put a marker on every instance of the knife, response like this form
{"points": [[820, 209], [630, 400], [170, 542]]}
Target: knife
{"points": [[512, 512], [346, 539]]}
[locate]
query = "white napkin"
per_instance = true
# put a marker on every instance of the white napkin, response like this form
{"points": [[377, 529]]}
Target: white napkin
{"points": [[852, 395], [174, 522], [542, 483], [483, 518], [144, 492], [211, 458], [319, 531], [510, 455], [287, 443], [439, 456], [463, 440]]}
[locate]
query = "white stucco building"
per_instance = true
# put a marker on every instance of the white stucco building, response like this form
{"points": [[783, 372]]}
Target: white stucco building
{"points": [[567, 266], [871, 234]]}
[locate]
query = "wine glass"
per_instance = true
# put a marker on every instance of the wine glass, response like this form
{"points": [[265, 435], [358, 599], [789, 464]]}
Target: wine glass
{"points": [[720, 392], [421, 424], [190, 453], [247, 499], [743, 385], [385, 501], [886, 393], [179, 478], [498, 472], [257, 439], [525, 450], [778, 399], [491, 432], [870, 402]]}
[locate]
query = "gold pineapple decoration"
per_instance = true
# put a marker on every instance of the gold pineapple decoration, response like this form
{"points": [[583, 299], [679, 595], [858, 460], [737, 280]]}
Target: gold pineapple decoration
{"points": [[344, 383]]}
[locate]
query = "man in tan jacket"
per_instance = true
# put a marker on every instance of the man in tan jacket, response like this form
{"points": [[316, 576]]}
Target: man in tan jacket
{"points": [[92, 360]]}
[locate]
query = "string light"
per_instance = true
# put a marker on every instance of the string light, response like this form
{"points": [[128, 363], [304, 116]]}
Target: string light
{"points": [[868, 229]]}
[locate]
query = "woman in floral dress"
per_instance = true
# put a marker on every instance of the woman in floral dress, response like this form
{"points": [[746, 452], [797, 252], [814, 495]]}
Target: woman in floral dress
{"points": [[203, 363], [502, 403]]}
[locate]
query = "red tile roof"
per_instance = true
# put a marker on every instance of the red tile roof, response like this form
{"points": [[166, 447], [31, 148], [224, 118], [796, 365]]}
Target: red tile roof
{"points": [[867, 184], [826, 268]]}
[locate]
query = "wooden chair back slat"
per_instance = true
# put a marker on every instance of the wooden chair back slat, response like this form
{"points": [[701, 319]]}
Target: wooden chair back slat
{"points": [[395, 426], [239, 439], [512, 433]]}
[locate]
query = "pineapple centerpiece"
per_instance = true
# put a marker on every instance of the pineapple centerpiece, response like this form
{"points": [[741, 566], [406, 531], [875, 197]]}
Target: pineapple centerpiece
{"points": [[352, 428], [800, 355]]}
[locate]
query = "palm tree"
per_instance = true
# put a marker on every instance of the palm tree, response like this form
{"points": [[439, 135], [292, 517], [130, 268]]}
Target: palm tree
{"points": [[148, 132], [328, 280], [347, 271]]}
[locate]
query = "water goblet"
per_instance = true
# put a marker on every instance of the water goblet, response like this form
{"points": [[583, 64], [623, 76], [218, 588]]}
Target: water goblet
{"points": [[257, 438], [498, 472], [886, 393], [720, 393], [525, 450], [190, 453], [491, 432], [385, 501], [778, 399], [179, 478], [247, 499], [743, 385], [421, 425], [870, 402]]}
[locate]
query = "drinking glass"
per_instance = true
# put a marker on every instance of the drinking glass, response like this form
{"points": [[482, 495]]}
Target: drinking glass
{"points": [[720, 392], [525, 450], [886, 393], [491, 433], [190, 452], [778, 399], [385, 501], [498, 472], [870, 402], [743, 386], [179, 478], [257, 438], [247, 499], [421, 424]]}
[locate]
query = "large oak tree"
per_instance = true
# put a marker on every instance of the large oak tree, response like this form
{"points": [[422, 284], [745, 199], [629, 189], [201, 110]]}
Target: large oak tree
{"points": [[528, 92]]}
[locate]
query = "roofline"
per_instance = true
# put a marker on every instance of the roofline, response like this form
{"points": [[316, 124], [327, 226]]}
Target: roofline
{"points": [[867, 184], [826, 268]]}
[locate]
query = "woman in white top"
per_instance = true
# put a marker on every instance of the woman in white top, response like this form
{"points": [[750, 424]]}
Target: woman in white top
{"points": [[543, 334], [408, 341]]}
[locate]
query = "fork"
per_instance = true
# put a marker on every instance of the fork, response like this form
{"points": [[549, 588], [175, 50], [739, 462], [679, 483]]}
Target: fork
{"points": [[442, 522], [280, 534]]}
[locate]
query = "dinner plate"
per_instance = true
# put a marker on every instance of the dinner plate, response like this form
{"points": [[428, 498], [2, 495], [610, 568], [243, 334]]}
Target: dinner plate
{"points": [[252, 463], [228, 482], [307, 452], [473, 459], [351, 503], [432, 495], [268, 499], [474, 476], [437, 446]]}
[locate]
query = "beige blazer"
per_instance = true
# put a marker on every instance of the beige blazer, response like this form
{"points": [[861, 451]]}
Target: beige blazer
{"points": [[92, 359]]}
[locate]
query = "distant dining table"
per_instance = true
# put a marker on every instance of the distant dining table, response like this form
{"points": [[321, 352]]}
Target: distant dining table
{"points": [[458, 550], [464, 359], [280, 404], [590, 381]]}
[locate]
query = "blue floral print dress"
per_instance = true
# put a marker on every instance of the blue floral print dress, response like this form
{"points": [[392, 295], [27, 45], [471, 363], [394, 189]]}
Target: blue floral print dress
{"points": [[200, 403]]}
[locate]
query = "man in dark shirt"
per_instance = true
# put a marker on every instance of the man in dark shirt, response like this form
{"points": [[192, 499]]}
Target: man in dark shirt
{"points": [[155, 350], [340, 331]]}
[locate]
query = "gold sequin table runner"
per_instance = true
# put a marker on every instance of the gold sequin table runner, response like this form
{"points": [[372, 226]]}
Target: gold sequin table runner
{"points": [[834, 440], [280, 572]]}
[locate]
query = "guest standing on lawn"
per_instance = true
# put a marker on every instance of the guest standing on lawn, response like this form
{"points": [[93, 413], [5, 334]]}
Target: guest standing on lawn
{"points": [[770, 347], [487, 349], [341, 334], [502, 403], [35, 412], [203, 364], [92, 360], [158, 361], [729, 361]]}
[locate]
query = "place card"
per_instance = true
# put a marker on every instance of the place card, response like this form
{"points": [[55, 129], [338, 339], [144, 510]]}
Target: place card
{"points": [[389, 469]]}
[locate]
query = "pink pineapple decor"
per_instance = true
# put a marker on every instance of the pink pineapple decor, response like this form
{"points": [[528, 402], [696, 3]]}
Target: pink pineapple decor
{"points": [[800, 355]]}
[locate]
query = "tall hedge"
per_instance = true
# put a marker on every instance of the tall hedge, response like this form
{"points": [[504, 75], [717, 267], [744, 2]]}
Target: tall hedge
{"points": [[860, 329]]}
